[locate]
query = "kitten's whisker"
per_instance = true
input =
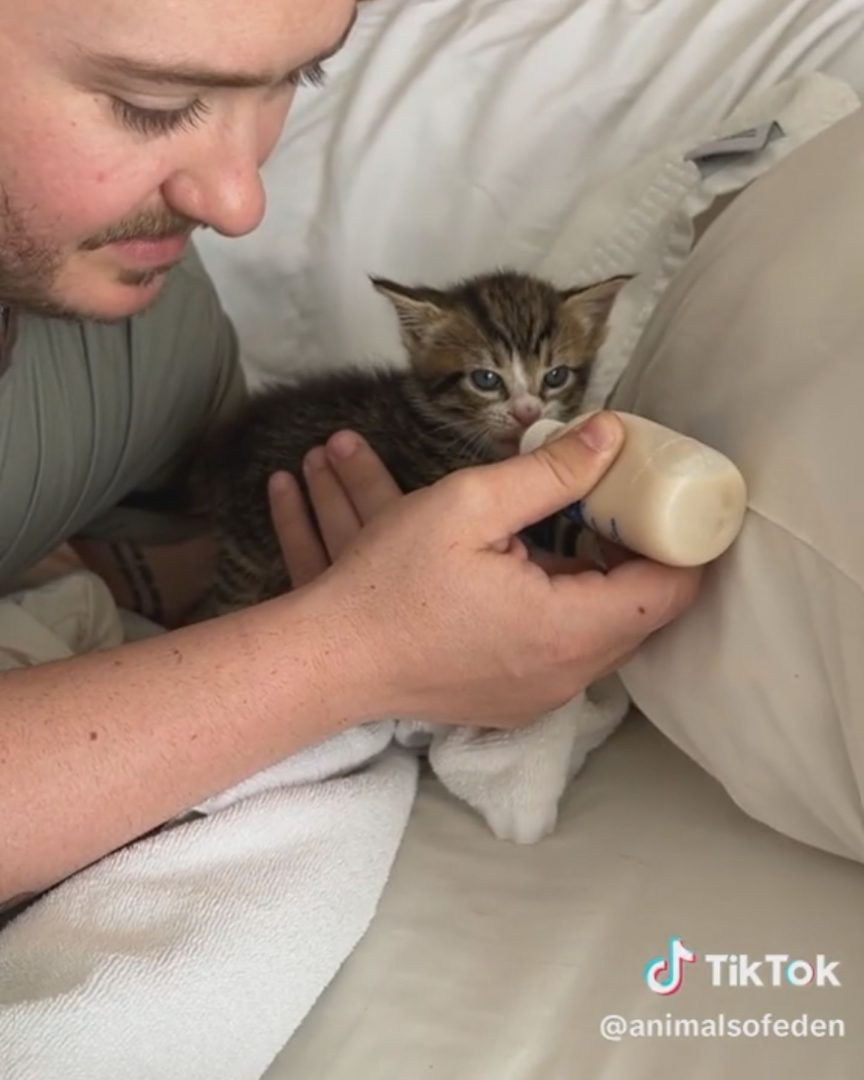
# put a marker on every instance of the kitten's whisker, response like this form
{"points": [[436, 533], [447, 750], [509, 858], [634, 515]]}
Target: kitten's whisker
{"points": [[460, 440], [475, 445]]}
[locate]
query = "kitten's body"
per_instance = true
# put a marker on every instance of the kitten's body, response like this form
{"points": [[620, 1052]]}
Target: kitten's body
{"points": [[424, 422], [281, 426]]}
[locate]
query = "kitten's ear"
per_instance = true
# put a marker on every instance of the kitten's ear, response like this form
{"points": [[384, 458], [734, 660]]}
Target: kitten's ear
{"points": [[591, 305], [420, 311]]}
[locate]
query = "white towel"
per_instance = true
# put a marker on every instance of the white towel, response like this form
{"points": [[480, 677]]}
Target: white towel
{"points": [[195, 952]]}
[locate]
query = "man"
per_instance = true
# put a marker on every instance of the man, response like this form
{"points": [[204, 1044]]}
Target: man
{"points": [[123, 126]]}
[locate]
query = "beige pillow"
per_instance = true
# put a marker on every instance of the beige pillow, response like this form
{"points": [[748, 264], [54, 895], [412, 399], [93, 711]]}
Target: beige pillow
{"points": [[758, 349]]}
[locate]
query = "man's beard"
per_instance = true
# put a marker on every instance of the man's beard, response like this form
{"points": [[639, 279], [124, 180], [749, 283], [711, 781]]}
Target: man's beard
{"points": [[29, 269]]}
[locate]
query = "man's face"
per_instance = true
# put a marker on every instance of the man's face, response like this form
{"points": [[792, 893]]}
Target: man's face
{"points": [[124, 125]]}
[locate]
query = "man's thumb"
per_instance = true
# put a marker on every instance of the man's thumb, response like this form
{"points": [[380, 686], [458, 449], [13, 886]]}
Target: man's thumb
{"points": [[533, 486]]}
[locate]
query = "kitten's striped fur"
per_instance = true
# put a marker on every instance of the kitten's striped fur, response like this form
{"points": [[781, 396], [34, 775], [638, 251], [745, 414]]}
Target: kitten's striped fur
{"points": [[424, 421]]}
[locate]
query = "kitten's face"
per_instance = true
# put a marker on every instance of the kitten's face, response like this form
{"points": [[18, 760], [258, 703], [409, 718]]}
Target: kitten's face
{"points": [[501, 351]]}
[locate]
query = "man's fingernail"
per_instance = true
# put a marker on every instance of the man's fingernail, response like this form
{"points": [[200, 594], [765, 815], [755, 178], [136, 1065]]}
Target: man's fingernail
{"points": [[279, 483], [598, 433], [315, 459], [343, 444]]}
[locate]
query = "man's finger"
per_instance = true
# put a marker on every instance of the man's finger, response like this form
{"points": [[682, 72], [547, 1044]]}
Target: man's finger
{"points": [[561, 564], [337, 519], [614, 666], [611, 555], [530, 487], [367, 482], [302, 551], [633, 599]]}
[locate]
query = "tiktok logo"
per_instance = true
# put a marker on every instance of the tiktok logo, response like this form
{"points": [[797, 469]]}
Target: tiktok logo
{"points": [[665, 974]]}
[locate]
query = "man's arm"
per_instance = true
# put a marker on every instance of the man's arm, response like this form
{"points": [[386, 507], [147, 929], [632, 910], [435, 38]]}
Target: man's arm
{"points": [[98, 750]]}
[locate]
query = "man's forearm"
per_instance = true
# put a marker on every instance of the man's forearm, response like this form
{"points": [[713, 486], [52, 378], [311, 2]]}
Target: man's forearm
{"points": [[98, 750]]}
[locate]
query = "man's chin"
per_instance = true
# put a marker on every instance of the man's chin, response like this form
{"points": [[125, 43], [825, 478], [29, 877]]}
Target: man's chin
{"points": [[105, 297]]}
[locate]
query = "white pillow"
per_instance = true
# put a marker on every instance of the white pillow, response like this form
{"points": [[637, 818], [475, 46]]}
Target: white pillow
{"points": [[757, 348], [459, 134]]}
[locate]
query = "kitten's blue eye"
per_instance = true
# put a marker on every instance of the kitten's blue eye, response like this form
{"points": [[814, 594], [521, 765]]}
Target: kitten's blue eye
{"points": [[557, 377], [484, 379]]}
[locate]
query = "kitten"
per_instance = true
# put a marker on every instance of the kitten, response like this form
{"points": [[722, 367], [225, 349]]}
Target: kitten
{"points": [[487, 357]]}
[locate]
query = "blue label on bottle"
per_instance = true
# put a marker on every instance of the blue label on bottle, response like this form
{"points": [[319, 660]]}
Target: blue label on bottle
{"points": [[573, 513], [577, 513]]}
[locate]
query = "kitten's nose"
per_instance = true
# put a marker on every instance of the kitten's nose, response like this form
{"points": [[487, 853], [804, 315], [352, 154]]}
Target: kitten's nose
{"points": [[526, 412]]}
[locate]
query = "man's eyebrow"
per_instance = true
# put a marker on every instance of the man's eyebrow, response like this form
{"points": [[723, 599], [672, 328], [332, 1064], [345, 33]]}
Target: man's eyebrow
{"points": [[179, 74]]}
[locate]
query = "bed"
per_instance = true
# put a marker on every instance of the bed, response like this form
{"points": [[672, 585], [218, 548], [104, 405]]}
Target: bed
{"points": [[569, 138], [489, 961], [455, 135]]}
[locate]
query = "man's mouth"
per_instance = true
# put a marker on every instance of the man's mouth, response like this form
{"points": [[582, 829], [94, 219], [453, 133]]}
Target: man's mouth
{"points": [[142, 252]]}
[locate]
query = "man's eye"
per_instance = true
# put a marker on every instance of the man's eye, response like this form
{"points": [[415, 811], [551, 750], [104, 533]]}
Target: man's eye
{"points": [[159, 121], [313, 75]]}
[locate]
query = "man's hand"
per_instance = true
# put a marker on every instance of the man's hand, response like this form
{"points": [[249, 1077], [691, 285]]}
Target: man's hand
{"points": [[348, 485], [452, 617]]}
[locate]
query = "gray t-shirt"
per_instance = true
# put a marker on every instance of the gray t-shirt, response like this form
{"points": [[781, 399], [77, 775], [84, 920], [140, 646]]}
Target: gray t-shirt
{"points": [[93, 417]]}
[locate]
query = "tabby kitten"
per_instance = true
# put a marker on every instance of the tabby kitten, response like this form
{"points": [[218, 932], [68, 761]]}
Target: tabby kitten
{"points": [[488, 357]]}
